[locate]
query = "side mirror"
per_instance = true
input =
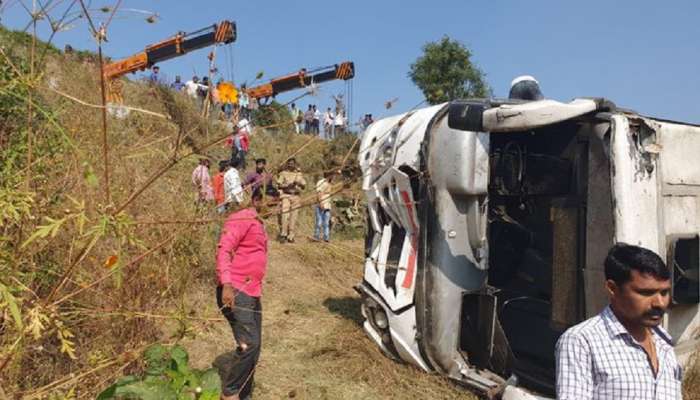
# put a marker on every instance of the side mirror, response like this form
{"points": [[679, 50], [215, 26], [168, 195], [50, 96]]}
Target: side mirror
{"points": [[467, 115]]}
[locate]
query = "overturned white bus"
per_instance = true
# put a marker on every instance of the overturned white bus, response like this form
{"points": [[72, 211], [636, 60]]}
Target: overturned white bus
{"points": [[488, 223]]}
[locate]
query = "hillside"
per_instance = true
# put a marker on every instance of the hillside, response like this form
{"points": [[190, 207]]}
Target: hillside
{"points": [[90, 279], [93, 274]]}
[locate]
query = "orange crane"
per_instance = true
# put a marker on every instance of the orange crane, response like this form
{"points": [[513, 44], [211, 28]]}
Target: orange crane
{"points": [[181, 43], [301, 79]]}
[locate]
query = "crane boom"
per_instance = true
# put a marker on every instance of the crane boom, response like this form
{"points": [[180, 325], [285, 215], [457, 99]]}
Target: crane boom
{"points": [[303, 78], [181, 43]]}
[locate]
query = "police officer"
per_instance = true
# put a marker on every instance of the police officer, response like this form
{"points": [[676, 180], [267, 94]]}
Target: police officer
{"points": [[290, 183]]}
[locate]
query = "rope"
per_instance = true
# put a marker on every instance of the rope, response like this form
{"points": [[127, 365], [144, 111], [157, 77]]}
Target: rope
{"points": [[82, 102]]}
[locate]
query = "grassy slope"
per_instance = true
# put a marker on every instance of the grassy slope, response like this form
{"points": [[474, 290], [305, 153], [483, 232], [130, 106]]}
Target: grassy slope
{"points": [[314, 346]]}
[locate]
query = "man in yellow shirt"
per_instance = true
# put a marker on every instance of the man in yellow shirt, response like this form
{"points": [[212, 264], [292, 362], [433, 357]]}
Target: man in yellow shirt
{"points": [[290, 183]]}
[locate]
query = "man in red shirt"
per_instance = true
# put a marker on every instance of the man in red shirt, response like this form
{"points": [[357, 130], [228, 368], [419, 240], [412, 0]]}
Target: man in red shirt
{"points": [[218, 185], [241, 263]]}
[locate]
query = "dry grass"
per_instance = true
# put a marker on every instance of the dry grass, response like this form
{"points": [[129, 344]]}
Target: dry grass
{"points": [[112, 312], [100, 316], [691, 383]]}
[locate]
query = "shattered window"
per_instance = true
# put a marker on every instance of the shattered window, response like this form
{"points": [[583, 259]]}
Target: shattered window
{"points": [[398, 236], [685, 263]]}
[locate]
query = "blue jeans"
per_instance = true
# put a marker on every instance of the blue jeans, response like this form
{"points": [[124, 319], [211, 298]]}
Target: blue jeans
{"points": [[228, 110], [323, 220]]}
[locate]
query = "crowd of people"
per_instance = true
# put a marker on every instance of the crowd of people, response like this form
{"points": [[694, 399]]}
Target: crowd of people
{"points": [[241, 258], [335, 122], [241, 255], [309, 122], [226, 190], [204, 92], [243, 197]]}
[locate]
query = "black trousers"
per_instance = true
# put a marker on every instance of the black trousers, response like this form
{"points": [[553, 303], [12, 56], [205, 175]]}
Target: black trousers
{"points": [[239, 156], [238, 367]]}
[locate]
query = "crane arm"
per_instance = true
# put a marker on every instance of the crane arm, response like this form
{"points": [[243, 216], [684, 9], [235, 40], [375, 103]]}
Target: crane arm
{"points": [[344, 71], [181, 43]]}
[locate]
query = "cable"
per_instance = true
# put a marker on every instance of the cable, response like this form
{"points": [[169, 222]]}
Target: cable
{"points": [[232, 60], [352, 97]]}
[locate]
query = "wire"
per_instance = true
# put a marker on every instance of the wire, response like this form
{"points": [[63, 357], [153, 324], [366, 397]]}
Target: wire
{"points": [[89, 19], [114, 10], [352, 98], [232, 61], [227, 62], [5, 6]]}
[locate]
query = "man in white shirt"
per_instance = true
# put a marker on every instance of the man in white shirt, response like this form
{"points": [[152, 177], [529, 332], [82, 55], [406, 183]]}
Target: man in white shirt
{"points": [[317, 121], [297, 116], [191, 87], [328, 119], [233, 190], [623, 353], [339, 123], [244, 126]]}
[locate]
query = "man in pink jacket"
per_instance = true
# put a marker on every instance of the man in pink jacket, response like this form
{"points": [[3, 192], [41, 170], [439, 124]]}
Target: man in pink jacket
{"points": [[241, 262]]}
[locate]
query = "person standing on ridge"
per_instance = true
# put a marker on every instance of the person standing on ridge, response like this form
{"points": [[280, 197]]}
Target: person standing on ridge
{"points": [[244, 102], [290, 183], [339, 124], [192, 86], [297, 117], [316, 121], [309, 120], [177, 85], [328, 118], [154, 77]]}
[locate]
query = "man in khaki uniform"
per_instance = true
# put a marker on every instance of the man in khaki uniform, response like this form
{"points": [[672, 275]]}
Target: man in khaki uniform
{"points": [[290, 183]]}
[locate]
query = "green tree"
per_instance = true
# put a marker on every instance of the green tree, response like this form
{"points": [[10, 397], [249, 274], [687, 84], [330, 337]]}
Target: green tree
{"points": [[445, 72], [272, 114]]}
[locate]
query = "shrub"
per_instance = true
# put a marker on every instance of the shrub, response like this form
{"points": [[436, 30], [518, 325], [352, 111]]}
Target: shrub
{"points": [[167, 376]]}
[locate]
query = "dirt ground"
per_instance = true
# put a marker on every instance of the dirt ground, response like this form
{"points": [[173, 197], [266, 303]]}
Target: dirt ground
{"points": [[313, 344]]}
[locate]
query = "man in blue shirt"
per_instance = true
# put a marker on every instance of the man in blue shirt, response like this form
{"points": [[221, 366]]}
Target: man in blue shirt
{"points": [[154, 77], [177, 85]]}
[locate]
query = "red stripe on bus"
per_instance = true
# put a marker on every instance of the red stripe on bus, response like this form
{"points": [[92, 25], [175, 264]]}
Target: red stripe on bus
{"points": [[411, 267]]}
